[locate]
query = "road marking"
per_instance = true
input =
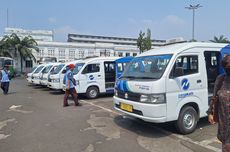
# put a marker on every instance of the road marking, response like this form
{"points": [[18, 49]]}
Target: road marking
{"points": [[15, 109], [101, 107], [204, 143]]}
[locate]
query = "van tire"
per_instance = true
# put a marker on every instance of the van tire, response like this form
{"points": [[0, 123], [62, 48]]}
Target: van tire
{"points": [[187, 120], [92, 92]]}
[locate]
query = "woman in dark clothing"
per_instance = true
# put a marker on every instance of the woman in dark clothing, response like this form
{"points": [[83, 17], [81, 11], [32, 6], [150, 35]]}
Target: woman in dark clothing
{"points": [[222, 93]]}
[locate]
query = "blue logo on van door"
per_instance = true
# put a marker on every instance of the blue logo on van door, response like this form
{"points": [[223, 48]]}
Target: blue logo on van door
{"points": [[185, 84], [91, 77]]}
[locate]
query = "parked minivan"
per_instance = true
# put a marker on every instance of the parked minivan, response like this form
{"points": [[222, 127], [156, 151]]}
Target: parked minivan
{"points": [[37, 74], [29, 75], [55, 79], [45, 73], [95, 75], [171, 83]]}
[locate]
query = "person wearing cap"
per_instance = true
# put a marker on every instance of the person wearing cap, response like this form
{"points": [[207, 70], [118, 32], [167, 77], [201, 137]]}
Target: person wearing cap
{"points": [[70, 87], [5, 81]]}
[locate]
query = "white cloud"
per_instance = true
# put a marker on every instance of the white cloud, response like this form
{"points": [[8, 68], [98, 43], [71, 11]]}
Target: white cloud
{"points": [[62, 32], [173, 19], [52, 20]]}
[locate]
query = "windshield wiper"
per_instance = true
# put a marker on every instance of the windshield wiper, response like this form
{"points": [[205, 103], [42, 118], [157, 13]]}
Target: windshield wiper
{"points": [[129, 77], [145, 78]]}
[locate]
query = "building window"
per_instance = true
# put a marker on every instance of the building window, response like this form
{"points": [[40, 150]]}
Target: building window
{"points": [[127, 54], [120, 54], [29, 64], [61, 53], [71, 54], [134, 54], [41, 53], [81, 54], [91, 52], [51, 52]]}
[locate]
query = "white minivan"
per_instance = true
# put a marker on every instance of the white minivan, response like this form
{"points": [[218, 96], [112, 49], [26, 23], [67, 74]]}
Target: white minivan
{"points": [[171, 83], [37, 74], [55, 78], [95, 75], [45, 73], [29, 75]]}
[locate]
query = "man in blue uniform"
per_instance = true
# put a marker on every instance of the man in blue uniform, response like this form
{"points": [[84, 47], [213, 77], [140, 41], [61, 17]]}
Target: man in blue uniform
{"points": [[5, 81], [70, 87]]}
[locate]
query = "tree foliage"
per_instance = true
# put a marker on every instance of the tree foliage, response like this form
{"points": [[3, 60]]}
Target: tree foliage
{"points": [[13, 45], [221, 39], [144, 42]]}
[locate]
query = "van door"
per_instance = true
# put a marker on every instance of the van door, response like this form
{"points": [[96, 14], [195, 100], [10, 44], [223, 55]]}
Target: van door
{"points": [[187, 83], [110, 76], [91, 76]]}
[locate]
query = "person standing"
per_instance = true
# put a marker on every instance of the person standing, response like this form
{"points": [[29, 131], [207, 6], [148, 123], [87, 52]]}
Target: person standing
{"points": [[5, 81], [221, 96], [70, 87]]}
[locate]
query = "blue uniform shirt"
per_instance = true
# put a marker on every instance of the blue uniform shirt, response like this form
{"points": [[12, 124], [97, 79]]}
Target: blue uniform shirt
{"points": [[5, 76], [69, 76]]}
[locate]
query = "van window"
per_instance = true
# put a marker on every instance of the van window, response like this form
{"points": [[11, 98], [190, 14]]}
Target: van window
{"points": [[109, 66], [187, 64], [92, 68]]}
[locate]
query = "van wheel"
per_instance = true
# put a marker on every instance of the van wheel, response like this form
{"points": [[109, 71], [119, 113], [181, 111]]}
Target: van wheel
{"points": [[92, 92], [187, 120]]}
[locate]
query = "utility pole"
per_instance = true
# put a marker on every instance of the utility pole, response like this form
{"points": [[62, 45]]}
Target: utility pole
{"points": [[193, 8], [7, 18]]}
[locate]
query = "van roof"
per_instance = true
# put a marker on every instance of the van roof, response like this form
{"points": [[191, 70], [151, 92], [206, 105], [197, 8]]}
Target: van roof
{"points": [[99, 58], [178, 48]]}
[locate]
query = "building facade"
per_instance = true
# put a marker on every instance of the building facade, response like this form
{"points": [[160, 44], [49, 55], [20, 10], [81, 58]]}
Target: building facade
{"points": [[38, 35], [77, 46]]}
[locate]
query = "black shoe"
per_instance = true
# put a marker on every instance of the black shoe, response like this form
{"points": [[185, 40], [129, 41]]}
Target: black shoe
{"points": [[78, 104], [65, 105]]}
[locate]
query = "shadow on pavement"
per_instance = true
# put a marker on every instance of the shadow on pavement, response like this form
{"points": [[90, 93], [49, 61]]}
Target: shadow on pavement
{"points": [[139, 127]]}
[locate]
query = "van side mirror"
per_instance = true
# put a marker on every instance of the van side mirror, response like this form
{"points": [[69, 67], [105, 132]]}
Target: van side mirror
{"points": [[64, 71]]}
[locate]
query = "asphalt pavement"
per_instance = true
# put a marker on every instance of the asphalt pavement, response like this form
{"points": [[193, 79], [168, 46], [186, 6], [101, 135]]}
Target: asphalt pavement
{"points": [[32, 119]]}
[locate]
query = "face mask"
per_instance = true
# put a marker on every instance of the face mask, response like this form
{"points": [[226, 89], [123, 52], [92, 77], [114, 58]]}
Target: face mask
{"points": [[227, 71]]}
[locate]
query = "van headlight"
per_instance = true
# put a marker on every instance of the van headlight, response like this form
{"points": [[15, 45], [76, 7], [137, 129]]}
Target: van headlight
{"points": [[153, 98], [56, 80]]}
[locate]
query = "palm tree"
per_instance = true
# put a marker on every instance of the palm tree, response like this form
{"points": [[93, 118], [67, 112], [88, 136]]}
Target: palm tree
{"points": [[4, 45], [23, 47], [221, 39]]}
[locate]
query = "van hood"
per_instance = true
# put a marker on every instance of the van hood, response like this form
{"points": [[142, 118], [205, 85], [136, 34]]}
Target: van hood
{"points": [[143, 87]]}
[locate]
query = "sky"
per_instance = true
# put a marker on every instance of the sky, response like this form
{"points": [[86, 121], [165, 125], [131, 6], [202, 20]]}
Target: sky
{"points": [[166, 19]]}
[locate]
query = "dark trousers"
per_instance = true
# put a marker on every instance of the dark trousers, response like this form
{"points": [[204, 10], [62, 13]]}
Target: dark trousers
{"points": [[5, 87], [226, 147], [73, 93]]}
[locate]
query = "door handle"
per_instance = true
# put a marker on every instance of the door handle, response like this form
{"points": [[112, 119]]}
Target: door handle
{"points": [[198, 81], [99, 75]]}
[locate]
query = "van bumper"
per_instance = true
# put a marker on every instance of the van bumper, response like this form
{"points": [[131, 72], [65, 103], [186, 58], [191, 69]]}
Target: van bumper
{"points": [[55, 86], [36, 81], [148, 112], [43, 82]]}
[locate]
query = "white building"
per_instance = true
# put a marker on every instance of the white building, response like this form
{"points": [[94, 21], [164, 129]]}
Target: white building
{"points": [[38, 35], [78, 46]]}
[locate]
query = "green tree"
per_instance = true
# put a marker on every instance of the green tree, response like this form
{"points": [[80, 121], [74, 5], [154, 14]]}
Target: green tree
{"points": [[4, 45], [144, 43], [140, 41], [23, 47], [221, 39]]}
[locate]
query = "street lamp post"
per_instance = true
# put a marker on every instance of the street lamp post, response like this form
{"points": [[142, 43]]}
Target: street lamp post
{"points": [[193, 8]]}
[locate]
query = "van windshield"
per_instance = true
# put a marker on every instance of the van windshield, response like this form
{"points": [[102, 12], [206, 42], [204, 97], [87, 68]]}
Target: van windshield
{"points": [[47, 69], [77, 68], [58, 69], [39, 69], [147, 67]]}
